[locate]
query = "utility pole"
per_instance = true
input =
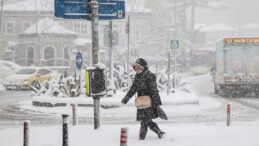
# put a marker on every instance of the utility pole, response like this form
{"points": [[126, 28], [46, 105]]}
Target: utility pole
{"points": [[193, 20], [175, 70], [168, 74], [128, 51], [1, 15], [95, 51]]}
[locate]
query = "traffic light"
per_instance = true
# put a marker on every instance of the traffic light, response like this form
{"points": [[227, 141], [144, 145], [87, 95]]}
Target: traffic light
{"points": [[95, 82]]}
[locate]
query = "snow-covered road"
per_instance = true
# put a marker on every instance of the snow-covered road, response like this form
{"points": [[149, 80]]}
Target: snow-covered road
{"points": [[211, 108], [188, 125]]}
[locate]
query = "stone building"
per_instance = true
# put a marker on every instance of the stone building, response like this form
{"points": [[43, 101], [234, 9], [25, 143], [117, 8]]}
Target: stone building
{"points": [[44, 43], [45, 46]]}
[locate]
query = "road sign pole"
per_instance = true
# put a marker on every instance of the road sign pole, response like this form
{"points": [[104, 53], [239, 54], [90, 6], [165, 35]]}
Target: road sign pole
{"points": [[95, 36], [111, 52], [175, 69], [174, 44], [169, 70], [95, 50]]}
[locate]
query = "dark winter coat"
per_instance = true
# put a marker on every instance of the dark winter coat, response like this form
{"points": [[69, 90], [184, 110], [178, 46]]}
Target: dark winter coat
{"points": [[145, 84]]}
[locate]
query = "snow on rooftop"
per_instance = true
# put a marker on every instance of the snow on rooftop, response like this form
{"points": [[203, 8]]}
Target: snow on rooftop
{"points": [[218, 5], [82, 41], [214, 27], [30, 5], [48, 26], [251, 26]]}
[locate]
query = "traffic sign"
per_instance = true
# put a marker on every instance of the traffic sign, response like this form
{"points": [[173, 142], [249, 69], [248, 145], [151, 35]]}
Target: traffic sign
{"points": [[79, 60], [174, 44], [81, 9]]}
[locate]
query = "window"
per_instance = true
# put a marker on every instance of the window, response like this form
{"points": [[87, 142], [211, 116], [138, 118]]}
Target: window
{"points": [[9, 27], [26, 25], [30, 56], [26, 71], [49, 55], [44, 72], [80, 27]]}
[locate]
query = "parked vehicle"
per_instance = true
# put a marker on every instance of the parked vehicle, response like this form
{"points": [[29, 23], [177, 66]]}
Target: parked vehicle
{"points": [[7, 68], [237, 67], [29, 76]]}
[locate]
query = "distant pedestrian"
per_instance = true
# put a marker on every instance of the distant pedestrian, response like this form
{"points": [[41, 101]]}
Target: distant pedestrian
{"points": [[148, 101]]}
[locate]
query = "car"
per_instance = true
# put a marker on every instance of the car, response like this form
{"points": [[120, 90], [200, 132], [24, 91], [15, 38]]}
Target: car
{"points": [[7, 68], [29, 76], [200, 70]]}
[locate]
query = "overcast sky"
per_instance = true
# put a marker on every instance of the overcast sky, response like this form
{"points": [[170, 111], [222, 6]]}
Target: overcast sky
{"points": [[249, 13]]}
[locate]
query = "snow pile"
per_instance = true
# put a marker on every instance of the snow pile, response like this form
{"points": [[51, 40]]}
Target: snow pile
{"points": [[238, 134], [180, 97], [112, 106]]}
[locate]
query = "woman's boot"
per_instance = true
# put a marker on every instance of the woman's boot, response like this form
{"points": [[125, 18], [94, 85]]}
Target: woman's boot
{"points": [[154, 127], [142, 133]]}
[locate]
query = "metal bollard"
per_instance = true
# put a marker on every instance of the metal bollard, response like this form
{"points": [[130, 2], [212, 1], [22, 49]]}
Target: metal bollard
{"points": [[124, 137], [74, 114], [228, 114], [65, 130], [26, 132]]}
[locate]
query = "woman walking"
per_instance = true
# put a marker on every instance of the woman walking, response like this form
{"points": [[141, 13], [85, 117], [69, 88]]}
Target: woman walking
{"points": [[145, 86]]}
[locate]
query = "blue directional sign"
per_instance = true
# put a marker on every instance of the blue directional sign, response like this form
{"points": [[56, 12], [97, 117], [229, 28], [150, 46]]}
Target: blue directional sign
{"points": [[72, 9], [79, 60], [111, 9], [81, 9]]}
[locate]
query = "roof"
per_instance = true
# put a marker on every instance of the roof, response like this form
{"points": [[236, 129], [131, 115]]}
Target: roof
{"points": [[47, 26]]}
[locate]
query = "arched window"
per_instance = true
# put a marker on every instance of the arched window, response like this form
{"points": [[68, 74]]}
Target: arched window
{"points": [[49, 55], [66, 56], [30, 56]]}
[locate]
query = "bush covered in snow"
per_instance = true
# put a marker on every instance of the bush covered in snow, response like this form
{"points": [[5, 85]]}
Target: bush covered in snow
{"points": [[61, 87], [120, 78]]}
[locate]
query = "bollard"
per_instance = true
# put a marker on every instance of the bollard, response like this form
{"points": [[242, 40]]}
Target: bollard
{"points": [[65, 130], [26, 132], [74, 114], [228, 114], [124, 137]]}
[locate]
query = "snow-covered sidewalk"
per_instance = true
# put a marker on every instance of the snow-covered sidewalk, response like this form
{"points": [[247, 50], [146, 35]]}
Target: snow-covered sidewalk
{"points": [[238, 134]]}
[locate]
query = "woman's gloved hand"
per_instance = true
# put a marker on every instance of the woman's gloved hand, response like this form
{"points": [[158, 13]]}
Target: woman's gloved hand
{"points": [[124, 100]]}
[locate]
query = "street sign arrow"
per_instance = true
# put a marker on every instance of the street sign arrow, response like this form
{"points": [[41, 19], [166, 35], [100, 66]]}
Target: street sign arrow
{"points": [[81, 9], [72, 9]]}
